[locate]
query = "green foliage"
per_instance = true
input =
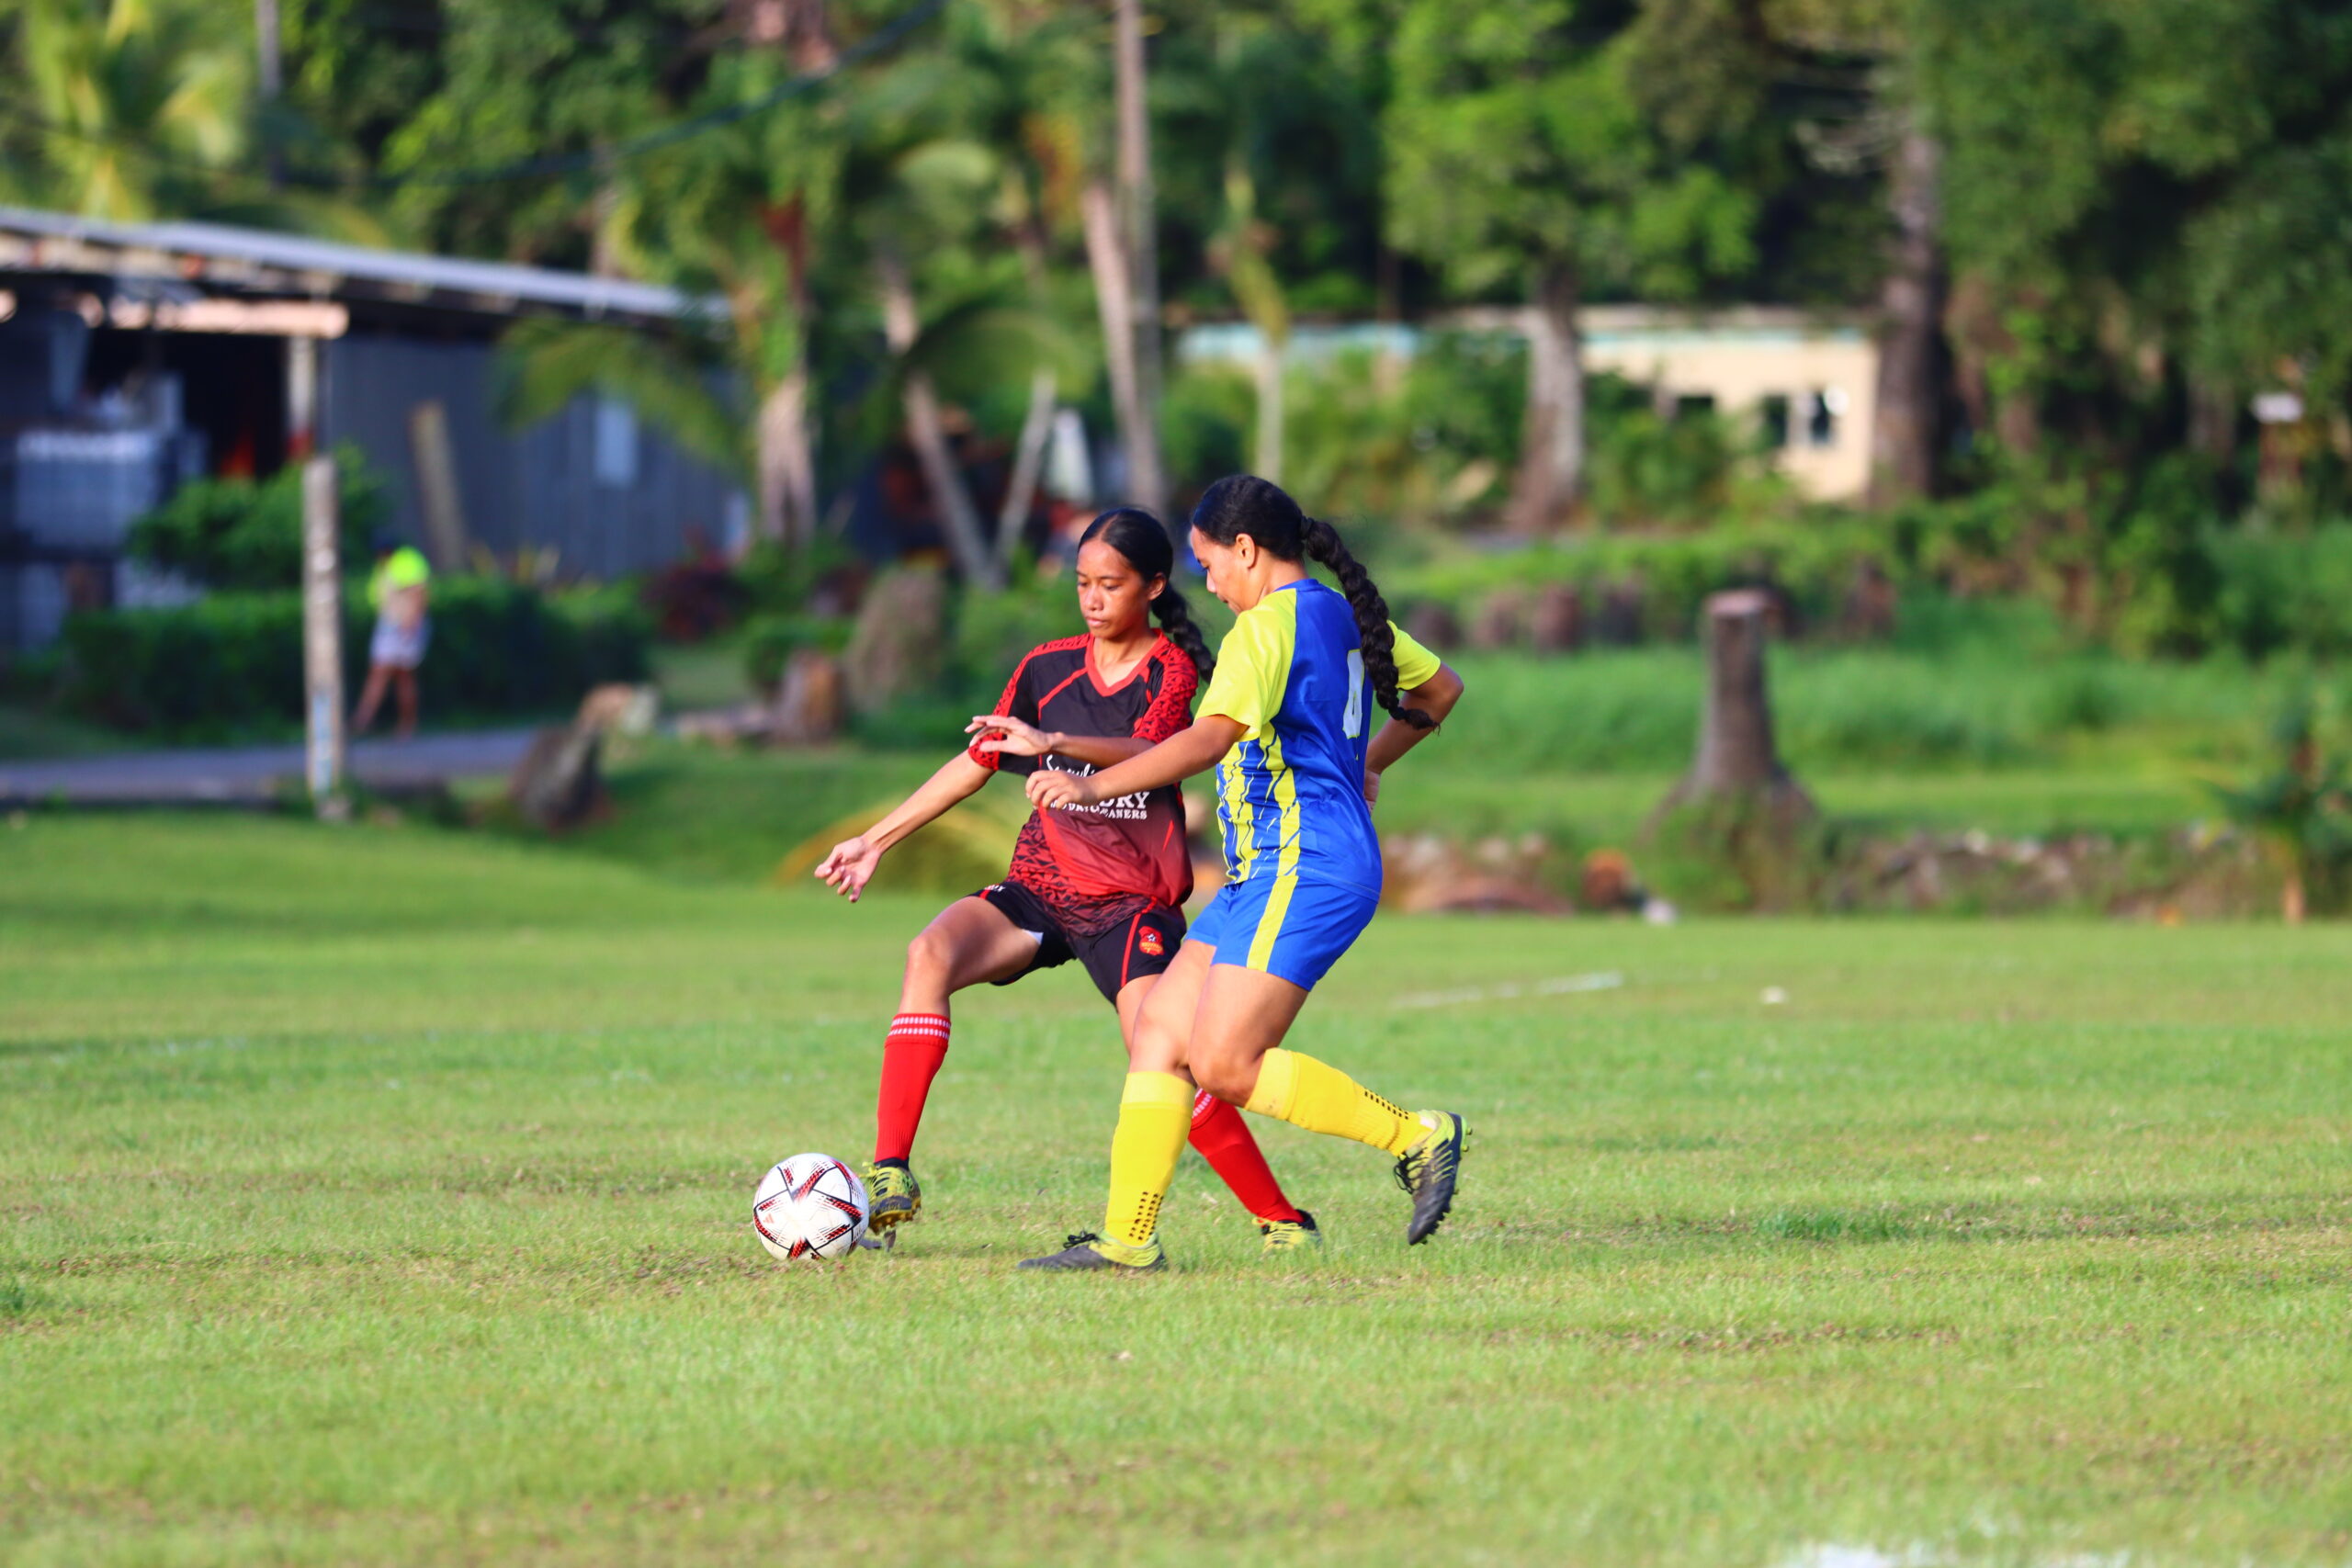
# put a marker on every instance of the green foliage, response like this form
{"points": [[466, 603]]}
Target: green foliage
{"points": [[1979, 704], [233, 661], [2282, 591], [1516, 147], [2301, 804], [239, 534]]}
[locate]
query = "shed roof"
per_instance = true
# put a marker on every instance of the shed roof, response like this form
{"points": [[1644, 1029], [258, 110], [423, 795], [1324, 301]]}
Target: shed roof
{"points": [[257, 261]]}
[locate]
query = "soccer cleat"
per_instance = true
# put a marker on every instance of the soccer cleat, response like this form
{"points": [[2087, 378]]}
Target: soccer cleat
{"points": [[1428, 1171], [1291, 1236], [892, 1198], [1086, 1251]]}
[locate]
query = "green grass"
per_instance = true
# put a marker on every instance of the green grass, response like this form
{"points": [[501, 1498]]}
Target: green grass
{"points": [[378, 1196], [701, 674]]}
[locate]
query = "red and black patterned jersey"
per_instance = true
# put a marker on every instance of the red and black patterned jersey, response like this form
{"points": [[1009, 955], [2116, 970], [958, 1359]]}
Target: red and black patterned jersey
{"points": [[1096, 865]]}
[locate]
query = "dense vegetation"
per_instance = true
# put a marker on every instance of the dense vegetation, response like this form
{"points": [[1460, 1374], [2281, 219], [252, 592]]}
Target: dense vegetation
{"points": [[2090, 230]]}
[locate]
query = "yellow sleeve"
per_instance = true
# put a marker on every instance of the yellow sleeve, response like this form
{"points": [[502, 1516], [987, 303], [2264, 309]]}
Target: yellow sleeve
{"points": [[1253, 664], [1415, 664]]}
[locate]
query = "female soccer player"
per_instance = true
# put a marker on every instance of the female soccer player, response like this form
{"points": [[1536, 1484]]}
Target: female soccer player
{"points": [[1104, 885], [1286, 712]]}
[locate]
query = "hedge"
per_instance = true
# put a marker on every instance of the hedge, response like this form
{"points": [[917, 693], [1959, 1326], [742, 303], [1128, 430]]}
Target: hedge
{"points": [[233, 661]]}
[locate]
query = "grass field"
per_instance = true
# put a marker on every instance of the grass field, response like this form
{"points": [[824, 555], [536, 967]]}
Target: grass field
{"points": [[380, 1196]]}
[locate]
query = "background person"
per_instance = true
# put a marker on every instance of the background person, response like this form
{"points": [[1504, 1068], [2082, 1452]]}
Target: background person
{"points": [[397, 590]]}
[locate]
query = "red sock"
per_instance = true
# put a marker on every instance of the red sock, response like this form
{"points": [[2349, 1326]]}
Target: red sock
{"points": [[1224, 1140], [911, 1058]]}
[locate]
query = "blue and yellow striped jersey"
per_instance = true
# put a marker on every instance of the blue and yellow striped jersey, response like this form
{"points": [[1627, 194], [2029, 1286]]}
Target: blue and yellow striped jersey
{"points": [[1290, 793]]}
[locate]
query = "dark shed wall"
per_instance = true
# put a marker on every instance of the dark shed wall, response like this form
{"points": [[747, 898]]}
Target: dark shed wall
{"points": [[539, 486]]}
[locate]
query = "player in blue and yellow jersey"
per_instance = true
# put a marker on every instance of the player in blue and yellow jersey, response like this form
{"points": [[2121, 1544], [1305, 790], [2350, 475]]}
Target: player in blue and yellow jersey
{"points": [[1288, 722]]}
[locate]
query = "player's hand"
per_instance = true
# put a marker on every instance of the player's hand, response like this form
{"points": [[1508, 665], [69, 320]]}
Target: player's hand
{"points": [[1050, 787], [1002, 732], [1372, 786], [850, 866]]}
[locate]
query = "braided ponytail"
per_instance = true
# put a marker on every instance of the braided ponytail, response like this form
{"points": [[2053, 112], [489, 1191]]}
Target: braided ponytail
{"points": [[1175, 618], [1322, 543]]}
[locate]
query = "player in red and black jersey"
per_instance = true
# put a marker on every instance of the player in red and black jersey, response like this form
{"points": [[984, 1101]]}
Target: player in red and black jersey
{"points": [[1104, 885]]}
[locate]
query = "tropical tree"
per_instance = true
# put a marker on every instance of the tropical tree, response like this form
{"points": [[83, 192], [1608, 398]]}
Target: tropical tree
{"points": [[139, 101], [1518, 154]]}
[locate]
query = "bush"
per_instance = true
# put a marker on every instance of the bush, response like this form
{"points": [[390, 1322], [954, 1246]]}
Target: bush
{"points": [[233, 661], [1811, 563], [235, 534], [2279, 591]]}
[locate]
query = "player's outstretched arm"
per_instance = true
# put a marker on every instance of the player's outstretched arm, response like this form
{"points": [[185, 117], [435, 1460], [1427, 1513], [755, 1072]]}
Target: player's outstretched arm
{"points": [[1435, 697], [1004, 733], [1192, 751], [853, 861]]}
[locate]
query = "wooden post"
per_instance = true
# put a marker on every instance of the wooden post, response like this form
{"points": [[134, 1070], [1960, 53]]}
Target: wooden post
{"points": [[436, 483], [323, 640]]}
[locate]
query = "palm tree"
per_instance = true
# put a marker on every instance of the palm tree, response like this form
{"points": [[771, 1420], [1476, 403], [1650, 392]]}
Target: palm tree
{"points": [[145, 109], [133, 96], [925, 187], [740, 213]]}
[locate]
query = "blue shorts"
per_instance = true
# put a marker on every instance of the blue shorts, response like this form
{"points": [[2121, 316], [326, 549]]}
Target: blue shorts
{"points": [[1290, 928]]}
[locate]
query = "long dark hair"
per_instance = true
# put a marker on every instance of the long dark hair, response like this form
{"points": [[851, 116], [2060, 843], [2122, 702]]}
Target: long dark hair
{"points": [[1137, 535], [1244, 503]]}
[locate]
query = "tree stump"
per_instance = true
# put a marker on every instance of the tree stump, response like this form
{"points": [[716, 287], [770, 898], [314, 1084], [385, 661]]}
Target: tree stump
{"points": [[807, 707], [899, 641], [1737, 763], [1556, 623], [1499, 622]]}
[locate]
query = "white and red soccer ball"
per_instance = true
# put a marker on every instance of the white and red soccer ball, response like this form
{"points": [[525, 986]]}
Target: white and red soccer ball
{"points": [[807, 1207]]}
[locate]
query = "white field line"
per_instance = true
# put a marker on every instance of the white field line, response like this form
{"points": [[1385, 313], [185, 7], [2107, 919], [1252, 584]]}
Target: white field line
{"points": [[1561, 985]]}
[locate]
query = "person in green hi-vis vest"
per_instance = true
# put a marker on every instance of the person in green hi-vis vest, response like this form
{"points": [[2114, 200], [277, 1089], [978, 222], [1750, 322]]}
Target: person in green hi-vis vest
{"points": [[397, 591]]}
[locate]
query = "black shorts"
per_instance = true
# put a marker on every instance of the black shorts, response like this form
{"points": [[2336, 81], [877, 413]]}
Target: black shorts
{"points": [[1133, 950]]}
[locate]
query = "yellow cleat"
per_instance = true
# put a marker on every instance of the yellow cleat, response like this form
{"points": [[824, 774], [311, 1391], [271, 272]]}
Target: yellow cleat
{"points": [[1291, 1236], [892, 1198]]}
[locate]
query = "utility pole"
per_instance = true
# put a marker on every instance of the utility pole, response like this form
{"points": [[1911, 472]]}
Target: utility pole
{"points": [[265, 33], [272, 73], [322, 752], [1147, 483]]}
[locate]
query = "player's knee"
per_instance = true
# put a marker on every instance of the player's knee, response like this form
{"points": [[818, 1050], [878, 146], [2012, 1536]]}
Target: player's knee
{"points": [[929, 954], [1227, 1078]]}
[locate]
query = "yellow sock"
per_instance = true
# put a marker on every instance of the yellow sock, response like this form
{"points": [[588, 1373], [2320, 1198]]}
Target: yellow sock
{"points": [[1306, 1093], [1155, 1116]]}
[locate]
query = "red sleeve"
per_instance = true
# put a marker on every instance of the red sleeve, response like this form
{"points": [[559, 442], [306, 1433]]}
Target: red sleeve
{"points": [[1171, 710], [1010, 703]]}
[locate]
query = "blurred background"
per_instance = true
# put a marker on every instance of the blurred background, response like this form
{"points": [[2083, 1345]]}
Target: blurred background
{"points": [[763, 357]]}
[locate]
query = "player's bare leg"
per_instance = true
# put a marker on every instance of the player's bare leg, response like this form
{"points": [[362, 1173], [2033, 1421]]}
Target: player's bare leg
{"points": [[970, 942]]}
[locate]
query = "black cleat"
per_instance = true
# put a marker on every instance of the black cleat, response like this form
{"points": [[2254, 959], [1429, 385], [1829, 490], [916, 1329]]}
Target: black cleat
{"points": [[1428, 1171], [1085, 1252]]}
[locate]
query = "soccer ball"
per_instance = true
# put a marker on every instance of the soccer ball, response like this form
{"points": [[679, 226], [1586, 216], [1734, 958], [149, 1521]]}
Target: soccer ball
{"points": [[809, 1206]]}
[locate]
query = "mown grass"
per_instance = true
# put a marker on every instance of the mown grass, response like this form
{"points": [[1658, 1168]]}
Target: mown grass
{"points": [[378, 1196]]}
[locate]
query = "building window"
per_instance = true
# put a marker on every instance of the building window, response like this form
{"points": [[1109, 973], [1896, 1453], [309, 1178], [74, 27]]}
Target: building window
{"points": [[1688, 403], [1825, 410], [1772, 419], [616, 443]]}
